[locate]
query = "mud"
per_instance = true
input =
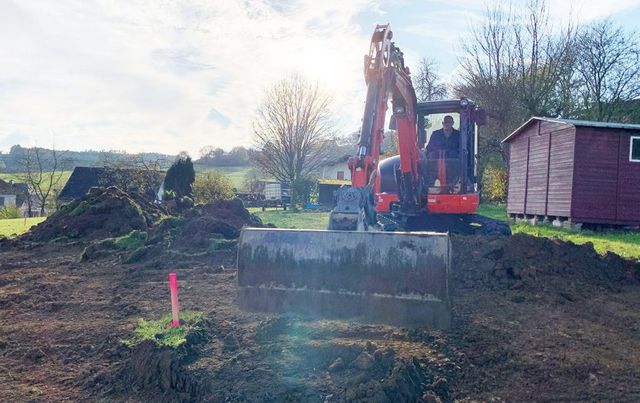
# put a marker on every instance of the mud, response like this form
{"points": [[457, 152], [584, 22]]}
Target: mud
{"points": [[533, 319]]}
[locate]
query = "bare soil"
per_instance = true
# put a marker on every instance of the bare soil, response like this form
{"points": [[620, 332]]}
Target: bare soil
{"points": [[534, 320]]}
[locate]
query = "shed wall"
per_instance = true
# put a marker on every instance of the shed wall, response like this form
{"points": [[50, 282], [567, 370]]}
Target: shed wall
{"points": [[561, 172], [518, 163], [537, 174], [541, 170], [628, 183], [607, 184], [596, 180]]}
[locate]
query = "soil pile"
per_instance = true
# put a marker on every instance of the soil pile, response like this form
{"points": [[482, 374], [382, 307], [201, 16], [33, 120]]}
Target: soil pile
{"points": [[532, 265], [101, 213], [205, 224], [543, 319], [199, 232]]}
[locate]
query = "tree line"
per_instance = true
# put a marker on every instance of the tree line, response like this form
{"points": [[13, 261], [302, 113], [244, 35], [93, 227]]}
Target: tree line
{"points": [[519, 64]]}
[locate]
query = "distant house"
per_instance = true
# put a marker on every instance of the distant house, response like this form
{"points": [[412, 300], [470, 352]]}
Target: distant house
{"points": [[336, 169], [12, 194], [146, 182], [575, 171]]}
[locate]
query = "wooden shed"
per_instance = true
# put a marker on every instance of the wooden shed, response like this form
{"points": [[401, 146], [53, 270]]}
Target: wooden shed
{"points": [[327, 189], [575, 171]]}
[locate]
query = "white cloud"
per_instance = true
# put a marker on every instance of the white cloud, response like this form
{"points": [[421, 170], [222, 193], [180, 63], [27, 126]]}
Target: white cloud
{"points": [[177, 75], [167, 76]]}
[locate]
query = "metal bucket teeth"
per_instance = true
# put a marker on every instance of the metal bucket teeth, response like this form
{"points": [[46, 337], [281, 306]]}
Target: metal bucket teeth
{"points": [[375, 277]]}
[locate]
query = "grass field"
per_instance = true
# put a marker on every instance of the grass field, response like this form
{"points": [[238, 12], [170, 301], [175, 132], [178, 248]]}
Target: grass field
{"points": [[290, 219], [16, 177], [235, 174], [17, 226]]}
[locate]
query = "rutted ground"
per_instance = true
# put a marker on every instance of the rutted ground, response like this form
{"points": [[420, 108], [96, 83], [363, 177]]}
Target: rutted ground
{"points": [[534, 319]]}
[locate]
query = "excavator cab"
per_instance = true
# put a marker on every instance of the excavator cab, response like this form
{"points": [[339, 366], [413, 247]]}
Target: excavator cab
{"points": [[451, 170], [448, 181]]}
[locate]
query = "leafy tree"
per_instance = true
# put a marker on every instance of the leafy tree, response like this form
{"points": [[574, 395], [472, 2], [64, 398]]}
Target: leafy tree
{"points": [[180, 177], [212, 186]]}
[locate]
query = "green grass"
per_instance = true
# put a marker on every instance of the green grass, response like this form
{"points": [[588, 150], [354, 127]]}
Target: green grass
{"points": [[17, 226], [495, 211], [290, 219], [235, 174], [162, 333], [623, 243], [132, 241], [17, 177]]}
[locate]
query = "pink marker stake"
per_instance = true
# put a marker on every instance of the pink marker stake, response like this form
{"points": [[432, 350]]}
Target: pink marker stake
{"points": [[173, 286]]}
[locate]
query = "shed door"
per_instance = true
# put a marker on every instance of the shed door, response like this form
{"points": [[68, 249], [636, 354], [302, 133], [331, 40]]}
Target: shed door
{"points": [[537, 171], [518, 150]]}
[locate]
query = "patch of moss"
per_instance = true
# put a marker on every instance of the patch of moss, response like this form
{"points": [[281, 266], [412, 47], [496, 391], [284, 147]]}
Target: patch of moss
{"points": [[132, 241], [161, 332], [169, 222], [221, 244], [82, 207]]}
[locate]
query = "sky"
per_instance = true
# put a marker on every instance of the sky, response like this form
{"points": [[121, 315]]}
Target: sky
{"points": [[171, 76]]}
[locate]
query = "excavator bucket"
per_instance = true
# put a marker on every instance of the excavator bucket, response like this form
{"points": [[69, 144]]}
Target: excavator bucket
{"points": [[374, 277]]}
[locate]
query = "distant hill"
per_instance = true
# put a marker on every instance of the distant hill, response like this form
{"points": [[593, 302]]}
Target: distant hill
{"points": [[11, 162]]}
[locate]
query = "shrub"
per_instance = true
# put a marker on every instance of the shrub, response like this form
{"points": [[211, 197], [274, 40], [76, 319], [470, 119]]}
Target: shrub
{"points": [[180, 177], [494, 183], [212, 186], [9, 212]]}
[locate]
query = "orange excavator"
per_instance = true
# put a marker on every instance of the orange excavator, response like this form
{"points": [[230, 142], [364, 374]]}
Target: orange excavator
{"points": [[377, 261]]}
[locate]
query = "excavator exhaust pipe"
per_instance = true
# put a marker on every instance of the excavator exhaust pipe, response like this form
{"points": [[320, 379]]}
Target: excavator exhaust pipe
{"points": [[373, 277]]}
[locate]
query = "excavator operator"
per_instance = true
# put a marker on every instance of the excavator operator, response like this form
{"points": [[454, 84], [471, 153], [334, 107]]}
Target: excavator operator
{"points": [[444, 144]]}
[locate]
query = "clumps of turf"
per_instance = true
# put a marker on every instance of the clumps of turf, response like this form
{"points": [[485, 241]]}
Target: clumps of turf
{"points": [[101, 213], [163, 334], [134, 240]]}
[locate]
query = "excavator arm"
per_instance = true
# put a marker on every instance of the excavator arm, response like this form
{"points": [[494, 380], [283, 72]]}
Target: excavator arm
{"points": [[387, 78]]}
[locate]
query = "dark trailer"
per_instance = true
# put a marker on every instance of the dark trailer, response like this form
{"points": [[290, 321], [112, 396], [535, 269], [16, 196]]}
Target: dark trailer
{"points": [[575, 171]]}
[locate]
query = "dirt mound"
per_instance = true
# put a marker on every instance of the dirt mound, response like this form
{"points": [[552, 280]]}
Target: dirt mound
{"points": [[200, 231], [533, 264], [101, 213], [544, 318]]}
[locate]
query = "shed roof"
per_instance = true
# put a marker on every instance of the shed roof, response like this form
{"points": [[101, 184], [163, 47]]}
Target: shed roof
{"points": [[333, 182], [12, 188], [573, 122]]}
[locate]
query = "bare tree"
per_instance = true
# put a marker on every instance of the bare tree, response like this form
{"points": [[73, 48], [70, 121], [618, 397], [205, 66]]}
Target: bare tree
{"points": [[293, 130], [42, 172], [132, 172], [427, 82], [513, 67], [609, 66]]}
